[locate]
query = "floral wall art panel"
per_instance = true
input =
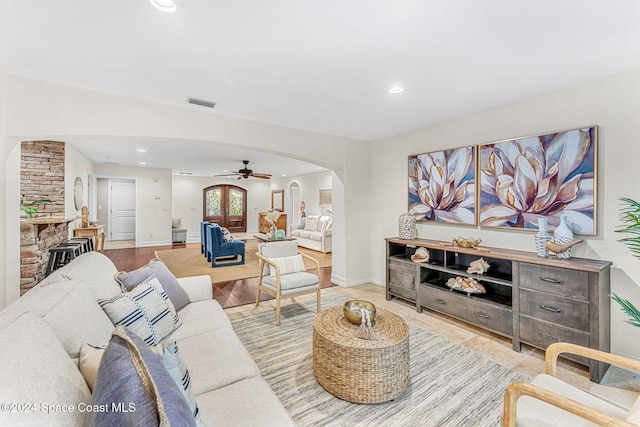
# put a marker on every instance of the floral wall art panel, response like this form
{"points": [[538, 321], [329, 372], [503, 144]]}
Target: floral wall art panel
{"points": [[548, 176], [442, 186]]}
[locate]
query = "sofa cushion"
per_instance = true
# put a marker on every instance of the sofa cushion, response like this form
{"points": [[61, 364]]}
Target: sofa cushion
{"points": [[262, 409], [634, 413], [215, 359], [65, 303], [97, 271], [38, 370], [316, 237], [307, 234], [78, 319], [169, 283], [292, 281], [132, 375], [533, 412], [287, 265], [146, 310], [199, 317], [311, 224]]}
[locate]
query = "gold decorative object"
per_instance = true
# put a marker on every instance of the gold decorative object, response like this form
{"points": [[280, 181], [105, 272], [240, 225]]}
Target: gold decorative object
{"points": [[466, 284], [421, 255], [479, 266], [352, 311], [466, 243]]}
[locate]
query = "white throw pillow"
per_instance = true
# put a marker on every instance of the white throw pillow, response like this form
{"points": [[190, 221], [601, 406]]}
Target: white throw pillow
{"points": [[311, 224], [288, 264], [146, 310]]}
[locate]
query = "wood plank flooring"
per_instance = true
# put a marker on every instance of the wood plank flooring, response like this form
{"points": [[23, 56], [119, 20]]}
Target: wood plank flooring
{"points": [[228, 294]]}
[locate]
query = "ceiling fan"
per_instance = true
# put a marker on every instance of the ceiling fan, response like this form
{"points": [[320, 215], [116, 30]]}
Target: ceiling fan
{"points": [[246, 173]]}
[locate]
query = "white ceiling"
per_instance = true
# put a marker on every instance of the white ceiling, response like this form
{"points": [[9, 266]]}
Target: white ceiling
{"points": [[321, 66]]}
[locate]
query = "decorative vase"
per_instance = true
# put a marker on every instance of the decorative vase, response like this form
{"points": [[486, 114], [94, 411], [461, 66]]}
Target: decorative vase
{"points": [[406, 226], [272, 232], [563, 234], [542, 237]]}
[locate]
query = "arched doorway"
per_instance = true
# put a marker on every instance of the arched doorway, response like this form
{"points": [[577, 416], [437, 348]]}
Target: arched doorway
{"points": [[225, 205]]}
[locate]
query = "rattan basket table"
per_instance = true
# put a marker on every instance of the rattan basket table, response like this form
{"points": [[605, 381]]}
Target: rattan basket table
{"points": [[357, 370]]}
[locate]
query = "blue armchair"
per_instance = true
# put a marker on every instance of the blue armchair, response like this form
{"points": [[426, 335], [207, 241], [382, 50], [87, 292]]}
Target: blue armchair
{"points": [[218, 249]]}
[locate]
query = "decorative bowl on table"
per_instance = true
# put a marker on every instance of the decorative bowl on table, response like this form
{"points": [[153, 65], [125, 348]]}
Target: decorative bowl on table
{"points": [[352, 310]]}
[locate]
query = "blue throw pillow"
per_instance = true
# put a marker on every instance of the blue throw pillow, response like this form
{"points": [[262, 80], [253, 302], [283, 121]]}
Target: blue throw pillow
{"points": [[133, 388]]}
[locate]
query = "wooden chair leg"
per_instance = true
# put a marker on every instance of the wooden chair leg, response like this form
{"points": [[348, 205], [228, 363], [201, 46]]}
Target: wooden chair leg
{"points": [[319, 303], [278, 310]]}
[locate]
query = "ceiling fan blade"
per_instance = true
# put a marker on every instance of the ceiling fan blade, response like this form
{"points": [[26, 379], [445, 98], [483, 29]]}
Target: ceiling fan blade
{"points": [[230, 174], [261, 175]]}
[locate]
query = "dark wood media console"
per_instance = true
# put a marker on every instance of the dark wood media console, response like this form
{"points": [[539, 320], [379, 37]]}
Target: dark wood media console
{"points": [[530, 299]]}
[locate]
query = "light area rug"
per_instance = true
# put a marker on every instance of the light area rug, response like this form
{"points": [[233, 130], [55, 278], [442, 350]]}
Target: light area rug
{"points": [[187, 262], [449, 386]]}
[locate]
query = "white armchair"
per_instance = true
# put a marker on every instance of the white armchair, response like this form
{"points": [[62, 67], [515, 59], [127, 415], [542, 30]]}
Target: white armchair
{"points": [[549, 401], [283, 273]]}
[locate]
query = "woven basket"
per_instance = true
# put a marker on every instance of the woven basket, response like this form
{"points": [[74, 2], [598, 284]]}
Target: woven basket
{"points": [[358, 370]]}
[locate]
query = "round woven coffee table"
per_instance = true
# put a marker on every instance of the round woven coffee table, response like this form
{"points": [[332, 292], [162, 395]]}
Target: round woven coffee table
{"points": [[358, 370]]}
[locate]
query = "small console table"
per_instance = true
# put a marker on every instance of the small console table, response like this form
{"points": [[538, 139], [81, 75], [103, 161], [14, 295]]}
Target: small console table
{"points": [[530, 299], [94, 231]]}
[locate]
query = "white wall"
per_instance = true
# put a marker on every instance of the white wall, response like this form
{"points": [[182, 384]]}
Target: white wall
{"points": [[310, 185], [75, 165], [187, 201], [612, 104], [153, 205]]}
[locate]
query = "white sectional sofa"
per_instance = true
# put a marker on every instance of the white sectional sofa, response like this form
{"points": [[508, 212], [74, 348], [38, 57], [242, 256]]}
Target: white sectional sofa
{"points": [[42, 333], [313, 232]]}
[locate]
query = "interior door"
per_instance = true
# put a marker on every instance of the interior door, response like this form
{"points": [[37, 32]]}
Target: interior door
{"points": [[122, 218], [226, 205]]}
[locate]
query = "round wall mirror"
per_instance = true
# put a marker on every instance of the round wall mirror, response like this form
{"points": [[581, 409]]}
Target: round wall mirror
{"points": [[77, 193]]}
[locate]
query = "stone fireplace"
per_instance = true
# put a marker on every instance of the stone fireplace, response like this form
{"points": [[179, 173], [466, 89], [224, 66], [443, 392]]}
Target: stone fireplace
{"points": [[41, 177]]}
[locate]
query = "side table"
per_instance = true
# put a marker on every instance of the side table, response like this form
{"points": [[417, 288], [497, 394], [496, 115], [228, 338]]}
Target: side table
{"points": [[95, 231], [358, 370]]}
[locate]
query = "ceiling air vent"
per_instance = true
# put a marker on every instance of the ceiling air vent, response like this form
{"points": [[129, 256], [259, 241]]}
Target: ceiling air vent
{"points": [[201, 102]]}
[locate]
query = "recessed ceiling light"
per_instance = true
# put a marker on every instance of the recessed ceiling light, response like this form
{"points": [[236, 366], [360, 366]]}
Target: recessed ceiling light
{"points": [[225, 170], [164, 5], [142, 163], [284, 174], [185, 173], [141, 150], [396, 89]]}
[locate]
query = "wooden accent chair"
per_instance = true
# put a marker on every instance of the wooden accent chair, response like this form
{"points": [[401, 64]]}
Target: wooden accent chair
{"points": [[283, 273], [549, 401]]}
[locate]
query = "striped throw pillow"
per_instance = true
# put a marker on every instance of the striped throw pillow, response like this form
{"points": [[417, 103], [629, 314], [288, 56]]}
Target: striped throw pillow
{"points": [[287, 264], [146, 310]]}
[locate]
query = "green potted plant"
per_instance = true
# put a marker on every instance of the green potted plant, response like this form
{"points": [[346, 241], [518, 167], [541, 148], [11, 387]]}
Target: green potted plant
{"points": [[630, 216], [32, 208]]}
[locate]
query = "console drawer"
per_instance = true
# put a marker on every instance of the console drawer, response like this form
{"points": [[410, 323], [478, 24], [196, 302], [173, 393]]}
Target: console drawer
{"points": [[483, 314], [564, 282], [540, 333], [563, 311]]}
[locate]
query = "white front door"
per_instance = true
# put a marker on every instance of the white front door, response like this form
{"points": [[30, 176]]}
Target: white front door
{"points": [[122, 218]]}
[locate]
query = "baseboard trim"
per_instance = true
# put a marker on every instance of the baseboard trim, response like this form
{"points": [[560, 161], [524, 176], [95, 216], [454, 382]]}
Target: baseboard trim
{"points": [[341, 281]]}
